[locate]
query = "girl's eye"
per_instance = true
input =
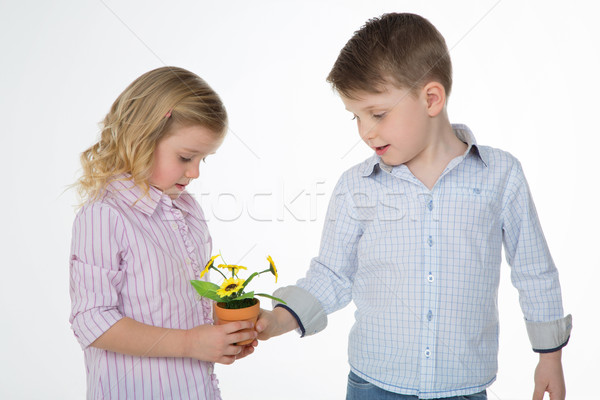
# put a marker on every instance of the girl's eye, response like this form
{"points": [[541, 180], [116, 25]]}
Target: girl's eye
{"points": [[184, 159], [204, 159]]}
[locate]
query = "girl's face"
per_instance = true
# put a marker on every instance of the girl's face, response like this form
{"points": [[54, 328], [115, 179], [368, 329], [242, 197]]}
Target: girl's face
{"points": [[177, 157]]}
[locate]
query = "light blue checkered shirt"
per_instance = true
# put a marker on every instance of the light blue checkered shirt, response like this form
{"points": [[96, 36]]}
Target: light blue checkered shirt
{"points": [[423, 268]]}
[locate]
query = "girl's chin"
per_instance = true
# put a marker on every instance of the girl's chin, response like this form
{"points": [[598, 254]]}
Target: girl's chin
{"points": [[173, 193]]}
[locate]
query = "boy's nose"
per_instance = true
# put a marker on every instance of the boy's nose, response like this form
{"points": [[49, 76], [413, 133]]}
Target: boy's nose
{"points": [[368, 133]]}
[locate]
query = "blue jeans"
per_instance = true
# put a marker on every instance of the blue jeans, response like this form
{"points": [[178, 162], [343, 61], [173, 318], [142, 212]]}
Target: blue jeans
{"points": [[359, 389]]}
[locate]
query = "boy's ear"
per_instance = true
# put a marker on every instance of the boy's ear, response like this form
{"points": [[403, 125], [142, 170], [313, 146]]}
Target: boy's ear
{"points": [[435, 95]]}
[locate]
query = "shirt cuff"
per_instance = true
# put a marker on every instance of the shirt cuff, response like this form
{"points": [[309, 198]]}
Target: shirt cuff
{"points": [[90, 325], [547, 337], [304, 307]]}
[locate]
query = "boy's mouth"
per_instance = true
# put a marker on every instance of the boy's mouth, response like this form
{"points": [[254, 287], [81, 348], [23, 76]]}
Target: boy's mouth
{"points": [[381, 149]]}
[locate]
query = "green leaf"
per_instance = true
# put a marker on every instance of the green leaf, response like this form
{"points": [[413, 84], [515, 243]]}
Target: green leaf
{"points": [[247, 281], [207, 289], [203, 285], [271, 297], [248, 295]]}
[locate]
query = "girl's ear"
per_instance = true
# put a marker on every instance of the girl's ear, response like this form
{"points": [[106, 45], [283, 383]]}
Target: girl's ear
{"points": [[435, 95]]}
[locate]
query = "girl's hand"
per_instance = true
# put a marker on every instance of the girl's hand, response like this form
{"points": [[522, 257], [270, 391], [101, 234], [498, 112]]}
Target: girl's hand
{"points": [[274, 323], [215, 343], [246, 350]]}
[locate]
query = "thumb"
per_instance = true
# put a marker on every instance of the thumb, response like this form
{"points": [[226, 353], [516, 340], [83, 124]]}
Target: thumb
{"points": [[260, 325], [262, 322]]}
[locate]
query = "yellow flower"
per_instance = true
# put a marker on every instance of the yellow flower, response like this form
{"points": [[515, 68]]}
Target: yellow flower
{"points": [[231, 267], [208, 265], [272, 267], [230, 286]]}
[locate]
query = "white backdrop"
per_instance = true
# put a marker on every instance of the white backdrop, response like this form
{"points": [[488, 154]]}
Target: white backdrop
{"points": [[525, 81]]}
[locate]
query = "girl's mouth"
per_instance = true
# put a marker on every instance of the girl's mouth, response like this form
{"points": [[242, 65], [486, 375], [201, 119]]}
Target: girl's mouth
{"points": [[381, 149], [180, 187]]}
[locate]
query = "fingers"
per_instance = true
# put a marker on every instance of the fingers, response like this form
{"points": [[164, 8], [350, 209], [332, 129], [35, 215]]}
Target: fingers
{"points": [[538, 393], [233, 353], [236, 332], [227, 360], [241, 336], [246, 351], [237, 326]]}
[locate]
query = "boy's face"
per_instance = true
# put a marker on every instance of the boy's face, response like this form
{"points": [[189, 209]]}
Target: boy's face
{"points": [[393, 123], [177, 157]]}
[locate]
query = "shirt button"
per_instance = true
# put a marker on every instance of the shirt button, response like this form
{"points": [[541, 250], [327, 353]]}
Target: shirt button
{"points": [[430, 205], [188, 261], [430, 241], [427, 353], [430, 277], [429, 315], [476, 190]]}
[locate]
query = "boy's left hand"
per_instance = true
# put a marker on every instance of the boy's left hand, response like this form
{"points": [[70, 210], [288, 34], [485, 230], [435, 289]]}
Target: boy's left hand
{"points": [[549, 377]]}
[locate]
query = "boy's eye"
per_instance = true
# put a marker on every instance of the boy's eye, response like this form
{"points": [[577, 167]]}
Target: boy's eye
{"points": [[378, 116], [354, 116]]}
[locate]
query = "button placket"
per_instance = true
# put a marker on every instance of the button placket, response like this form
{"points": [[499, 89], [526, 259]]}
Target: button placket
{"points": [[430, 207], [183, 228]]}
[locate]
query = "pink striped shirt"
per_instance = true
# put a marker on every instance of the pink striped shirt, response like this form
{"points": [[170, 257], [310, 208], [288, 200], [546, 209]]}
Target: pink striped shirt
{"points": [[136, 259]]}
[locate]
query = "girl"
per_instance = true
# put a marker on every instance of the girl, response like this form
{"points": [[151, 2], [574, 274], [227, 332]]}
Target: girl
{"points": [[140, 238]]}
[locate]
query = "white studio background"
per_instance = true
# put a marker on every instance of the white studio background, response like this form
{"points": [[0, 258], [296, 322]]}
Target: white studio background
{"points": [[525, 81]]}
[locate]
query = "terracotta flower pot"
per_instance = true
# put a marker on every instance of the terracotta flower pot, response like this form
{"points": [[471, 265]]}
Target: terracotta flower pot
{"points": [[224, 316]]}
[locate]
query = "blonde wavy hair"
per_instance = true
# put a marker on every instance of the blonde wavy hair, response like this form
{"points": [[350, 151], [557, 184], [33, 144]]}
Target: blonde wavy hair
{"points": [[139, 118]]}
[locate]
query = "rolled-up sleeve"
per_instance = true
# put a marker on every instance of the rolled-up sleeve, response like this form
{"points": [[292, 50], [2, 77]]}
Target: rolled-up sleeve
{"points": [[96, 271], [533, 271]]}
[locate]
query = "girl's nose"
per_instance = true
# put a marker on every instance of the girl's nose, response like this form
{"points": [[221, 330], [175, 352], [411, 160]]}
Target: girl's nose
{"points": [[193, 171]]}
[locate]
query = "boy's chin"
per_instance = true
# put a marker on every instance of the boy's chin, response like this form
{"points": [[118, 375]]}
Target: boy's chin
{"points": [[392, 162]]}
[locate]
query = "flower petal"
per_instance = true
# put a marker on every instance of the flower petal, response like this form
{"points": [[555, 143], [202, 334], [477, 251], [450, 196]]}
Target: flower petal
{"points": [[272, 267]]}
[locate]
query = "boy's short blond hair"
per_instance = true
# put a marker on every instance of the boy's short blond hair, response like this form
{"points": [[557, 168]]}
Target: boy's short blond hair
{"points": [[405, 50]]}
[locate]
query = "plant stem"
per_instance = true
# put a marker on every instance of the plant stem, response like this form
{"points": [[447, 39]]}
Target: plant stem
{"points": [[224, 277]]}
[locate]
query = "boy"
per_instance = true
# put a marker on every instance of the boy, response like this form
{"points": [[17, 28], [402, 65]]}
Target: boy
{"points": [[413, 235]]}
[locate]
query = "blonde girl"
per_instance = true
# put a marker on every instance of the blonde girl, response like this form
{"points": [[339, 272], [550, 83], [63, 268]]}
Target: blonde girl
{"points": [[138, 240]]}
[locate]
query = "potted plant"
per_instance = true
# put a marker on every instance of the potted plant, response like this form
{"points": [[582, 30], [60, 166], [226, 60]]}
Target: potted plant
{"points": [[233, 303]]}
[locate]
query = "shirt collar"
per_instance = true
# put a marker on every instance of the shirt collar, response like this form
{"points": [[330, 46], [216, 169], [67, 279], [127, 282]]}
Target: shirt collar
{"points": [[461, 131], [124, 188]]}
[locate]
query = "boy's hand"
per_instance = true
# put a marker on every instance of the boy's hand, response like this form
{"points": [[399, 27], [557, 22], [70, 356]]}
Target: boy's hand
{"points": [[274, 323], [215, 343], [549, 377]]}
